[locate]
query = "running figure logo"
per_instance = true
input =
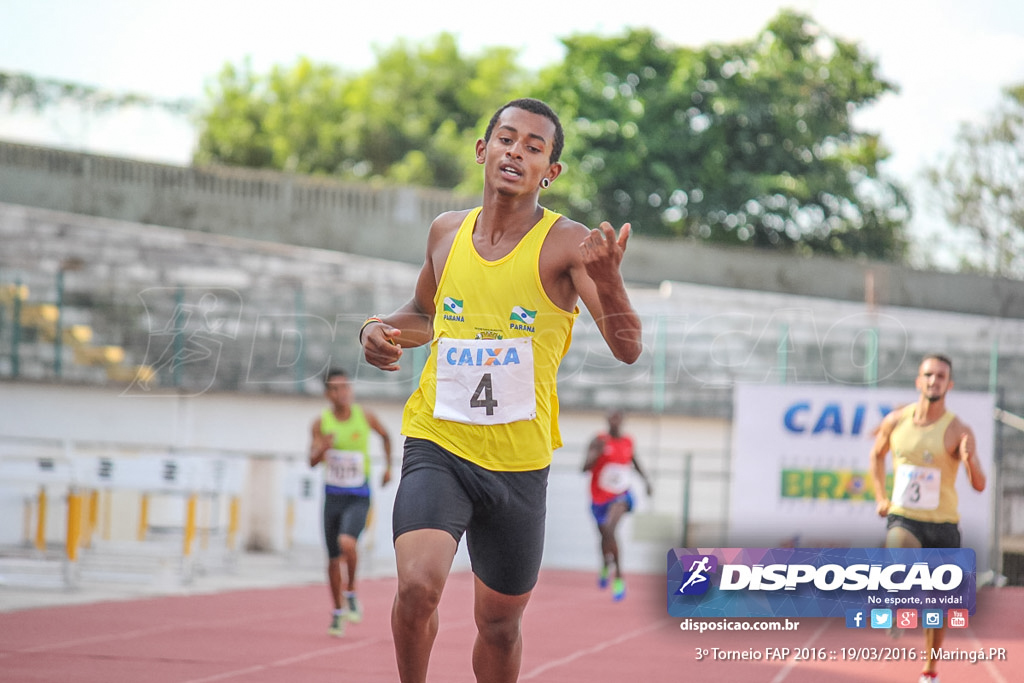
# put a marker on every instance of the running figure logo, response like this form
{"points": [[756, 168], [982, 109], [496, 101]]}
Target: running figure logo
{"points": [[696, 581]]}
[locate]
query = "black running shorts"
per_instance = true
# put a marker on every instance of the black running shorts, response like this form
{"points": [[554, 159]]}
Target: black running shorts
{"points": [[344, 515], [501, 513], [929, 534]]}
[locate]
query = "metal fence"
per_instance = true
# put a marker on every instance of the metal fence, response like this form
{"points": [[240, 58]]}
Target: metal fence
{"points": [[156, 311]]}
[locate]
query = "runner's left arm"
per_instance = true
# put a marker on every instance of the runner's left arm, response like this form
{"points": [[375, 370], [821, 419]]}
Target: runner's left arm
{"points": [[598, 280], [643, 475], [968, 454], [594, 451], [879, 451], [385, 438], [319, 444]]}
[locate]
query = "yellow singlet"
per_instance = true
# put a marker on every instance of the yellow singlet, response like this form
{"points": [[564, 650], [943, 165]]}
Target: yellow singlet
{"points": [[480, 308], [924, 474]]}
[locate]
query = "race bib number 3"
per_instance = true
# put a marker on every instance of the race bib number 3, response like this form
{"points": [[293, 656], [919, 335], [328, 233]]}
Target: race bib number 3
{"points": [[485, 381], [916, 488]]}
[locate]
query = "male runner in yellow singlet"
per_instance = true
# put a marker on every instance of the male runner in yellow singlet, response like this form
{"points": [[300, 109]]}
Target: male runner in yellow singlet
{"points": [[928, 445], [496, 300]]}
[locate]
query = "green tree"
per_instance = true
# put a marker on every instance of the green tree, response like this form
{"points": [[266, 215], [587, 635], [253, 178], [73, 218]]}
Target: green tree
{"points": [[411, 118], [980, 188], [21, 89], [747, 143], [288, 120]]}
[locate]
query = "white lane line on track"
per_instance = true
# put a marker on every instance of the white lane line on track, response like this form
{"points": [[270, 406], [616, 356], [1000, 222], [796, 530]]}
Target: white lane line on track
{"points": [[590, 650], [135, 633], [312, 654], [784, 671], [335, 649], [989, 666]]}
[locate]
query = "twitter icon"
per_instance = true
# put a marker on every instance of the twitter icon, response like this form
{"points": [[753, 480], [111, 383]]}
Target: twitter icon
{"points": [[881, 618]]}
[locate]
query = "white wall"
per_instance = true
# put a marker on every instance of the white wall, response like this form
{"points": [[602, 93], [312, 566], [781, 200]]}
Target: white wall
{"points": [[270, 434]]}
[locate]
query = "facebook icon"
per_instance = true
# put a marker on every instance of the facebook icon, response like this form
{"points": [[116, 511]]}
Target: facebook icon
{"points": [[855, 618]]}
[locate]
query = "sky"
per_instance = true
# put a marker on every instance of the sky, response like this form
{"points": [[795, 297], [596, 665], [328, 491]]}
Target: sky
{"points": [[949, 58]]}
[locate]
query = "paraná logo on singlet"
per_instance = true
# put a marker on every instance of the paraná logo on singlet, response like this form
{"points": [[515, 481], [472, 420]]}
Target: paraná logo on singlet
{"points": [[453, 309], [522, 319]]}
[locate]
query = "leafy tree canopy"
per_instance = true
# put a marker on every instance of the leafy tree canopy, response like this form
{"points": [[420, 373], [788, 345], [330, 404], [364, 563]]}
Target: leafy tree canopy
{"points": [[411, 118], [21, 89], [980, 187], [743, 143]]}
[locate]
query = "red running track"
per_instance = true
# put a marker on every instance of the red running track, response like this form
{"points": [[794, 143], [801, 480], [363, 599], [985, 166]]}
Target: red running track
{"points": [[573, 633]]}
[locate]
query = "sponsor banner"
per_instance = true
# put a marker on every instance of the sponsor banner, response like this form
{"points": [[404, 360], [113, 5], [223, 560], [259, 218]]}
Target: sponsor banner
{"points": [[817, 582], [801, 467]]}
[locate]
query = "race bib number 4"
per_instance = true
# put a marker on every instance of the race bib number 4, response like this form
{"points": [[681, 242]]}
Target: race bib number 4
{"points": [[916, 488], [485, 381]]}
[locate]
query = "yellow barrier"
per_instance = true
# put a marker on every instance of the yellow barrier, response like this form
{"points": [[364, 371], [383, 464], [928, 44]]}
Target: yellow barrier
{"points": [[41, 520], [143, 517], [190, 524], [74, 525], [233, 517], [92, 519]]}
